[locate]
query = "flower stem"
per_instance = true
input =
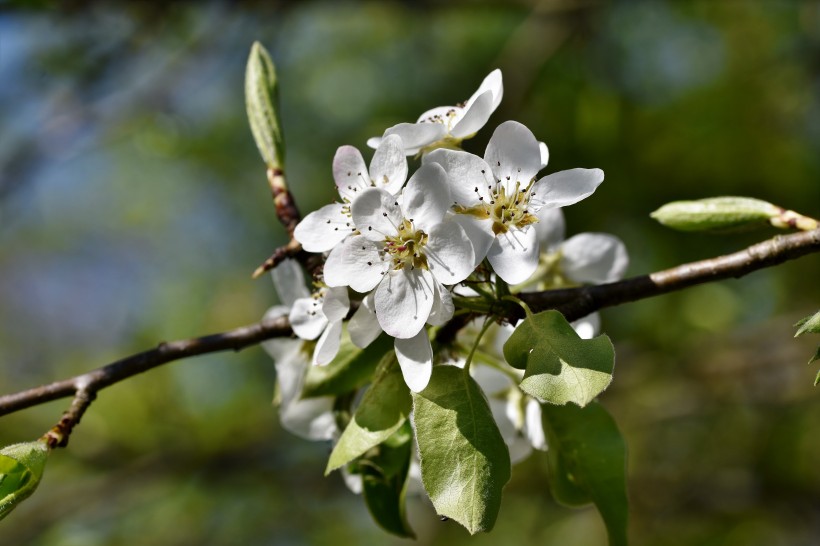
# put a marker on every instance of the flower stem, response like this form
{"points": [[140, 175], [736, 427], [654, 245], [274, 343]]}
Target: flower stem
{"points": [[527, 310], [487, 322]]}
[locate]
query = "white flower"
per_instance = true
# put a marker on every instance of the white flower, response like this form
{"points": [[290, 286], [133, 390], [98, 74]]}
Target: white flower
{"points": [[407, 250], [584, 258], [320, 315], [323, 229], [310, 418], [447, 126], [592, 258], [500, 195]]}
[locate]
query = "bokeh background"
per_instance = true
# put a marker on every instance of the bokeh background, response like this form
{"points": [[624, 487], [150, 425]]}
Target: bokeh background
{"points": [[134, 206]]}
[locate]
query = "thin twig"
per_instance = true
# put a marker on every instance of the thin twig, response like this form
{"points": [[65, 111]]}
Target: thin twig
{"points": [[98, 379], [289, 215]]}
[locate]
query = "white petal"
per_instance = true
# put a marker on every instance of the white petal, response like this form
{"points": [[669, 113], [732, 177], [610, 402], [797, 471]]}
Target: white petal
{"points": [[364, 326], [506, 426], [276, 312], [323, 229], [443, 307], [374, 142], [289, 281], [587, 327], [426, 197], [565, 188], [449, 252], [545, 154], [356, 263], [307, 319], [376, 214], [520, 449], [513, 152], [291, 363], [403, 301], [490, 380], [533, 426], [468, 175], [415, 357], [388, 168], [493, 82], [415, 136], [550, 228], [448, 116], [352, 481], [336, 304], [502, 334], [514, 255], [480, 234], [350, 172], [311, 418], [594, 258], [328, 345], [475, 116]]}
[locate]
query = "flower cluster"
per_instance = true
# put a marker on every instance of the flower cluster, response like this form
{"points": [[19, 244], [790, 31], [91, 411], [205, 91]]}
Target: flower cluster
{"points": [[397, 250], [405, 246]]}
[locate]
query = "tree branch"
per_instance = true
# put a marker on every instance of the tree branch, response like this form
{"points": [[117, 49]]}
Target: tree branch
{"points": [[98, 379], [574, 303]]}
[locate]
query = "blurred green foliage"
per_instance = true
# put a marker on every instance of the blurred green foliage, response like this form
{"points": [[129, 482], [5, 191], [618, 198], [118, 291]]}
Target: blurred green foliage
{"points": [[133, 209]]}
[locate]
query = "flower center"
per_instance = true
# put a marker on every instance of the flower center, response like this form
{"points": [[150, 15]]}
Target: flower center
{"points": [[505, 211], [406, 249]]}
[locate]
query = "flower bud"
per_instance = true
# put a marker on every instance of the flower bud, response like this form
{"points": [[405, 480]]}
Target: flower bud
{"points": [[717, 213], [261, 101]]}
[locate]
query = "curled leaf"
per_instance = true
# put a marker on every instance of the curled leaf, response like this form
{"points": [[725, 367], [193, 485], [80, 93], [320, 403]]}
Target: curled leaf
{"points": [[383, 410], [21, 467], [809, 325], [560, 366], [587, 463], [716, 213]]}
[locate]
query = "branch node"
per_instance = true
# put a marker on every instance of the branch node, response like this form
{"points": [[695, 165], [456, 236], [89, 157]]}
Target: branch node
{"points": [[59, 433]]}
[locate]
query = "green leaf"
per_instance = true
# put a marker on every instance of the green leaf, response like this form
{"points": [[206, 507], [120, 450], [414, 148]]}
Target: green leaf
{"points": [[261, 101], [464, 460], [352, 368], [815, 357], [716, 213], [560, 366], [808, 325], [384, 481], [587, 463], [21, 467], [383, 410]]}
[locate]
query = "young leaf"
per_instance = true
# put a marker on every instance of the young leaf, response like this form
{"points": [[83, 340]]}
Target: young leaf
{"points": [[560, 366], [808, 325], [716, 213], [464, 460], [384, 408], [352, 368], [261, 101], [587, 463], [384, 481], [21, 467]]}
